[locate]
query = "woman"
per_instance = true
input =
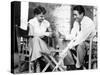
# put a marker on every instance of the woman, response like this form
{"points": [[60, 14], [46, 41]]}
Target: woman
{"points": [[37, 28]]}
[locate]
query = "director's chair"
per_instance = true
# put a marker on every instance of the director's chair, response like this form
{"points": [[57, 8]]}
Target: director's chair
{"points": [[23, 51], [52, 60]]}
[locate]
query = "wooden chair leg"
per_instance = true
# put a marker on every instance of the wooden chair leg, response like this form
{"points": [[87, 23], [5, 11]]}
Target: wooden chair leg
{"points": [[30, 67], [90, 54], [37, 67], [46, 67]]}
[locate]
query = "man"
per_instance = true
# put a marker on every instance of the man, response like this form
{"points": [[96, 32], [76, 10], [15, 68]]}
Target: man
{"points": [[83, 28]]}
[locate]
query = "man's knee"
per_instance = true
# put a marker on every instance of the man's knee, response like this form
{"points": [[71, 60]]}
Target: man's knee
{"points": [[81, 49], [81, 46]]}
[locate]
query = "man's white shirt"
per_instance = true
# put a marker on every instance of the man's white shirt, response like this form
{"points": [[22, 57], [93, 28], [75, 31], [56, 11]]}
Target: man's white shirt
{"points": [[87, 29]]}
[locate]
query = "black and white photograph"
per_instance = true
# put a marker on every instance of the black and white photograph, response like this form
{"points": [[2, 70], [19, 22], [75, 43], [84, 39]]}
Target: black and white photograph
{"points": [[53, 37]]}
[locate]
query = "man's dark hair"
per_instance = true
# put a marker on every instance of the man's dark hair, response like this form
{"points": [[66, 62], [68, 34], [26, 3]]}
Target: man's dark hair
{"points": [[39, 10], [80, 9]]}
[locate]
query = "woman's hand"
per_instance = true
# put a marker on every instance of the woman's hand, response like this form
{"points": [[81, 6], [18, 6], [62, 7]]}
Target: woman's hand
{"points": [[48, 33], [44, 34]]}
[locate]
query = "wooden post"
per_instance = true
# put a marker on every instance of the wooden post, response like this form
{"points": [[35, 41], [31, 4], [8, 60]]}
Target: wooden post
{"points": [[90, 52]]}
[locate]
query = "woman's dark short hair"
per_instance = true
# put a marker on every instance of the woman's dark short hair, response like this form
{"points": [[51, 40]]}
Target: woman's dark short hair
{"points": [[39, 10], [80, 9]]}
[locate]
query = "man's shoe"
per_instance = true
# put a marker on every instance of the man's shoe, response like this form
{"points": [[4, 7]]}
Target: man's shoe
{"points": [[81, 68]]}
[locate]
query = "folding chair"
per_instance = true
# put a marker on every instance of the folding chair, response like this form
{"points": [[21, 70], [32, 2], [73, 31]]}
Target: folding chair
{"points": [[91, 55], [51, 61], [23, 51], [60, 61]]}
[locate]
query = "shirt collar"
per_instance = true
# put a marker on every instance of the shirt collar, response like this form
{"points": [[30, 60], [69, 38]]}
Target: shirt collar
{"points": [[83, 20]]}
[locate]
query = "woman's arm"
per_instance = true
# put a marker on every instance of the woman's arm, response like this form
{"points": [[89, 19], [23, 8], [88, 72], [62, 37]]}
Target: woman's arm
{"points": [[49, 31]]}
